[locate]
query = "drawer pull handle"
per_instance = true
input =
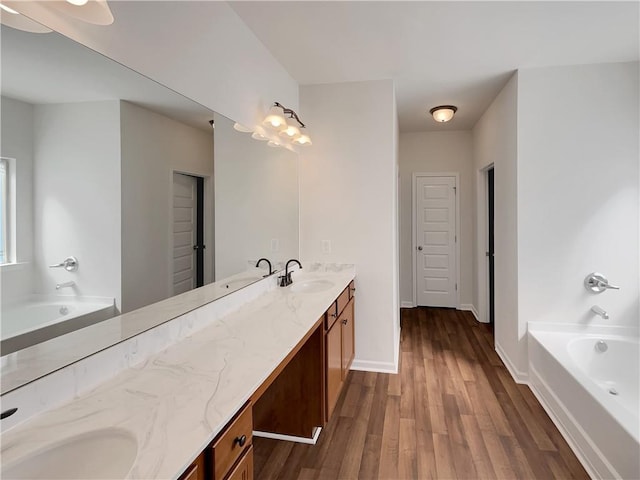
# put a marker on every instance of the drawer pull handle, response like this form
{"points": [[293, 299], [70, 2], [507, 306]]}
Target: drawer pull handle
{"points": [[353, 289], [345, 321], [240, 440], [334, 315]]}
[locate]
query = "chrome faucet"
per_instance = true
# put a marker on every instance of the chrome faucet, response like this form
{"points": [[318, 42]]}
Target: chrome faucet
{"points": [[286, 280], [268, 263], [70, 264], [65, 284], [600, 311]]}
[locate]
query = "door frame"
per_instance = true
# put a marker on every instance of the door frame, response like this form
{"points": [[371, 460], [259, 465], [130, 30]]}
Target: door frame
{"points": [[482, 240], [207, 226], [414, 246]]}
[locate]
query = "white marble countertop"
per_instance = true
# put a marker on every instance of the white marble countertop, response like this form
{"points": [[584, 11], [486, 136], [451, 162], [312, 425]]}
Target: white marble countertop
{"points": [[177, 401]]}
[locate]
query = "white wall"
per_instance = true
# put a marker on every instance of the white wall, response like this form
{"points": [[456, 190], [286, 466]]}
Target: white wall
{"points": [[16, 141], [437, 152], [348, 196], [256, 201], [77, 196], [153, 146], [200, 49], [578, 170], [495, 142]]}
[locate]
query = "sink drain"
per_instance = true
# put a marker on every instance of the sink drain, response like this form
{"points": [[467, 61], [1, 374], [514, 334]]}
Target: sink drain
{"points": [[613, 391]]}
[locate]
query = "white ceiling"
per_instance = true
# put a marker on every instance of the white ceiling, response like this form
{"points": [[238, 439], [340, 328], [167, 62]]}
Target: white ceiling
{"points": [[459, 53]]}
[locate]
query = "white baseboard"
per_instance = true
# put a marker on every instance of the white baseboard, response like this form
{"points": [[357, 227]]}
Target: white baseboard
{"points": [[290, 438], [518, 376], [470, 308], [405, 304], [378, 367]]}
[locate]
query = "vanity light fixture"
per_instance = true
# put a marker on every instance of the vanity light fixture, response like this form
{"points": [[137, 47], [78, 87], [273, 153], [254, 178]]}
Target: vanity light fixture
{"points": [[8, 10], [20, 22], [443, 113], [241, 128], [259, 134], [275, 118], [288, 125], [96, 12]]}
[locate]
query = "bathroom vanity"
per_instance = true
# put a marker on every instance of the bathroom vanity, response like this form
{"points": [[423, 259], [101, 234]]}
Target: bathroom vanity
{"points": [[294, 402], [275, 365]]}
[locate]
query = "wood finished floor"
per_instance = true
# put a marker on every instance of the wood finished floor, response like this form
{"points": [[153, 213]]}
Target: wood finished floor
{"points": [[453, 411]]}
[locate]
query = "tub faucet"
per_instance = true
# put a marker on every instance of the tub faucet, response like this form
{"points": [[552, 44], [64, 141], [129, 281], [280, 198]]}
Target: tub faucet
{"points": [[286, 280], [268, 263], [599, 311], [65, 284]]}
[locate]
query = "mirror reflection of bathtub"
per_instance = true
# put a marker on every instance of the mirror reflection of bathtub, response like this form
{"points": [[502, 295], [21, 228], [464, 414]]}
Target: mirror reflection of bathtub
{"points": [[38, 318], [93, 151]]}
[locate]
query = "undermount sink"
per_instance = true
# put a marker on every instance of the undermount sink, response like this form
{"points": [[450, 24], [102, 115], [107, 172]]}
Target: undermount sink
{"points": [[101, 454], [311, 286]]}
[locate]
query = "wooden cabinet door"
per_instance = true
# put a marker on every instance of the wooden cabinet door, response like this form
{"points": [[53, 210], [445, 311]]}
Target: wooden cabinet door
{"points": [[334, 366], [195, 470], [348, 345], [244, 468]]}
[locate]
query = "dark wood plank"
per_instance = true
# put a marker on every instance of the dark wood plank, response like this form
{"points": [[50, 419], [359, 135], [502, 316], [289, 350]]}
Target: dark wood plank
{"points": [[453, 411]]}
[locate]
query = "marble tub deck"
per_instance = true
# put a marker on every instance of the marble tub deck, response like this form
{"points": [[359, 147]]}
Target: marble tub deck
{"points": [[177, 401]]}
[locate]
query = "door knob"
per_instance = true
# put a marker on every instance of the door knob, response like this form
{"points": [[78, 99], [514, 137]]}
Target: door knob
{"points": [[420, 248]]}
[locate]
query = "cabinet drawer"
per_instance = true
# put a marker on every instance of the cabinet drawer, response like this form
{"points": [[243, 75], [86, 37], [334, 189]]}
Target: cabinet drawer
{"points": [[343, 299], [232, 442], [331, 316]]}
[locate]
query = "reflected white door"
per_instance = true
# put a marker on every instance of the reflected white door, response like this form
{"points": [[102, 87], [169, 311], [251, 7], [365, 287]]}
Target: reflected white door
{"points": [[435, 228], [184, 232]]}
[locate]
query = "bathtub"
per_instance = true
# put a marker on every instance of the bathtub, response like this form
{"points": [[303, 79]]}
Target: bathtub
{"points": [[40, 318], [588, 383]]}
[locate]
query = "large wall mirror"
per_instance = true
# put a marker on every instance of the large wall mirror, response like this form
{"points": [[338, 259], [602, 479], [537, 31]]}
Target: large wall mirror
{"points": [[118, 193]]}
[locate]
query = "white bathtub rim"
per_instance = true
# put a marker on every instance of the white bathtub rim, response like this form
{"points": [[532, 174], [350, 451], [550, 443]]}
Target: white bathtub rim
{"points": [[97, 304], [55, 298], [562, 327], [621, 415]]}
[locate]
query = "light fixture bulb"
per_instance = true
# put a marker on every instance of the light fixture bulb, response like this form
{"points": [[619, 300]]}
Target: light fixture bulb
{"points": [[443, 113], [272, 143], [259, 134], [8, 10], [275, 118], [289, 129], [303, 139], [77, 3]]}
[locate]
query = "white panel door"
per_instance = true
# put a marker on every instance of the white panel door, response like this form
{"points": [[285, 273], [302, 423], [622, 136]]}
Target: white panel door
{"points": [[184, 233], [435, 228]]}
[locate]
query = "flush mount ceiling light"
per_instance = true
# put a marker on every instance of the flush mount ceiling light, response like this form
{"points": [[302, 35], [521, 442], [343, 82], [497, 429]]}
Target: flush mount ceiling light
{"points": [[443, 113], [288, 125]]}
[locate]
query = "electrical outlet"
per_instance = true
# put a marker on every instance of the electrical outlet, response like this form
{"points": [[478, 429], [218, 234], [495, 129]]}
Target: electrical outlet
{"points": [[275, 245], [326, 246]]}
